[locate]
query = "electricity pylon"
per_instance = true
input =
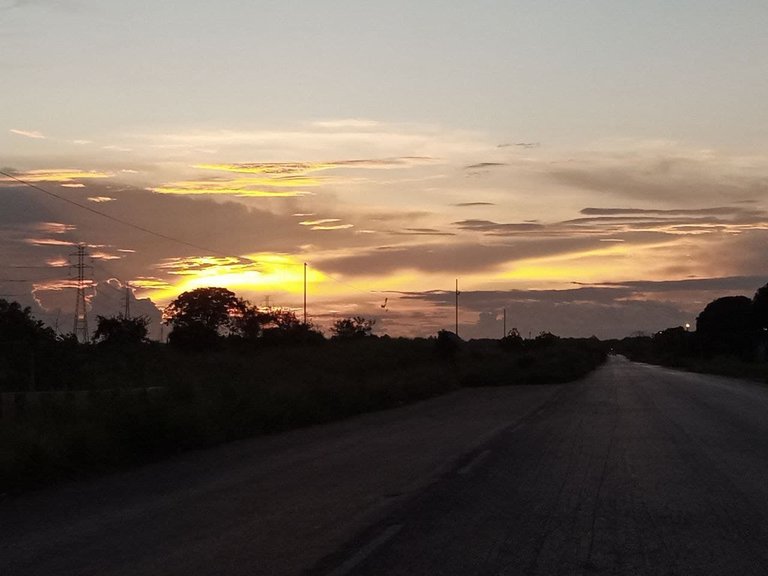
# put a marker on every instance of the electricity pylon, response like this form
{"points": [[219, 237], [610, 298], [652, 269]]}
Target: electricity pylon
{"points": [[80, 329]]}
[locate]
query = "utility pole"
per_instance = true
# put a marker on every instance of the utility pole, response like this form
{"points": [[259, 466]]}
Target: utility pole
{"points": [[457, 306], [127, 312], [80, 327], [504, 335], [305, 293]]}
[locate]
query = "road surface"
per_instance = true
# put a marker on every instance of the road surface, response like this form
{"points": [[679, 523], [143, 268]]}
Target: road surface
{"points": [[267, 506], [633, 470], [636, 470]]}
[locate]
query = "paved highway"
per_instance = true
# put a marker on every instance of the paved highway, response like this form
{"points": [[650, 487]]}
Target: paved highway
{"points": [[634, 470], [267, 506]]}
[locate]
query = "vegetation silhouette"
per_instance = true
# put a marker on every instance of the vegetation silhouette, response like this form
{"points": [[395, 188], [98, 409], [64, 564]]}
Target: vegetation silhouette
{"points": [[72, 409], [121, 330], [199, 317], [355, 327], [731, 338]]}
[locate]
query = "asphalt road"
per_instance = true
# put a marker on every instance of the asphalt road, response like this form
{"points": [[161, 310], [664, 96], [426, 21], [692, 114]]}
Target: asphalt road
{"points": [[636, 470], [268, 506]]}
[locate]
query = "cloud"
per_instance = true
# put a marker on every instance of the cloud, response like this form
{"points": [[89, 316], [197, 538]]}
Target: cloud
{"points": [[421, 232], [488, 226], [473, 204], [347, 123], [616, 221], [666, 180], [453, 257], [720, 210], [241, 189], [320, 221], [326, 227], [55, 175], [28, 133], [527, 145], [485, 165], [271, 168]]}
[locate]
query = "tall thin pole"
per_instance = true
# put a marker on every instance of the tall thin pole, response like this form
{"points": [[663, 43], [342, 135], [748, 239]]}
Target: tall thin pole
{"points": [[80, 327], [127, 313], [305, 292], [457, 306], [504, 335]]}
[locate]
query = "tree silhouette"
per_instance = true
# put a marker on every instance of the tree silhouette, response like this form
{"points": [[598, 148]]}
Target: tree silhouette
{"points": [[275, 326], [201, 316], [727, 326], [121, 331], [17, 324], [356, 327], [760, 308]]}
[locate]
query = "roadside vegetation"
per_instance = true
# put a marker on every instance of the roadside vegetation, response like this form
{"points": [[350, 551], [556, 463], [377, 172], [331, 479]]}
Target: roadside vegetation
{"points": [[731, 339], [231, 371]]}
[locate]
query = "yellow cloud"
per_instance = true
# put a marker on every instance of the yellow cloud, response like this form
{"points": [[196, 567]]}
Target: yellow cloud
{"points": [[56, 175], [321, 221], [279, 168], [333, 227], [180, 189], [243, 187]]}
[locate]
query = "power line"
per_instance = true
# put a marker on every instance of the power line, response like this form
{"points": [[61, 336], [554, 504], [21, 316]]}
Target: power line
{"points": [[120, 220], [146, 230]]}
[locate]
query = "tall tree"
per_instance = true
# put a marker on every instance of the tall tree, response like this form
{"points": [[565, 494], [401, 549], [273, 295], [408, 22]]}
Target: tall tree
{"points": [[199, 317], [760, 308], [121, 331], [727, 326]]}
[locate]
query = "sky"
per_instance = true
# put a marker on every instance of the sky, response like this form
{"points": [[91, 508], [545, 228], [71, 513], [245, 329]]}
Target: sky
{"points": [[593, 167]]}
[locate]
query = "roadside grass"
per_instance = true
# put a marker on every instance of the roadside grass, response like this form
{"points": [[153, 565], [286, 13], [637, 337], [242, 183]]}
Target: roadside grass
{"points": [[730, 366], [200, 400]]}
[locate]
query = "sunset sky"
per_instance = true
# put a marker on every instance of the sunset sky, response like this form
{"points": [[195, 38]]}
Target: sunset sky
{"points": [[592, 167]]}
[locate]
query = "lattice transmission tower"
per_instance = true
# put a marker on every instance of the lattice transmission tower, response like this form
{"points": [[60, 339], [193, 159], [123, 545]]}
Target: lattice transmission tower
{"points": [[80, 329]]}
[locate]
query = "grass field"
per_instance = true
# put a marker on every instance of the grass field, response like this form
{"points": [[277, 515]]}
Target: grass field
{"points": [[199, 400]]}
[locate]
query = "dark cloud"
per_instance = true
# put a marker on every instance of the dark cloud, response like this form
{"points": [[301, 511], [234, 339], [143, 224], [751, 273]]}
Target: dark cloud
{"points": [[616, 222], [719, 210], [421, 232], [666, 180], [471, 204], [581, 312], [748, 284], [495, 227], [484, 165]]}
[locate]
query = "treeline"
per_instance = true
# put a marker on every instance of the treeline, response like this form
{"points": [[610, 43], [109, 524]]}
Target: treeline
{"points": [[731, 338], [206, 320], [122, 400]]}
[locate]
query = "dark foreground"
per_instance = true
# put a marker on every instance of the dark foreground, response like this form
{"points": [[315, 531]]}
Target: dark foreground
{"points": [[635, 470]]}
